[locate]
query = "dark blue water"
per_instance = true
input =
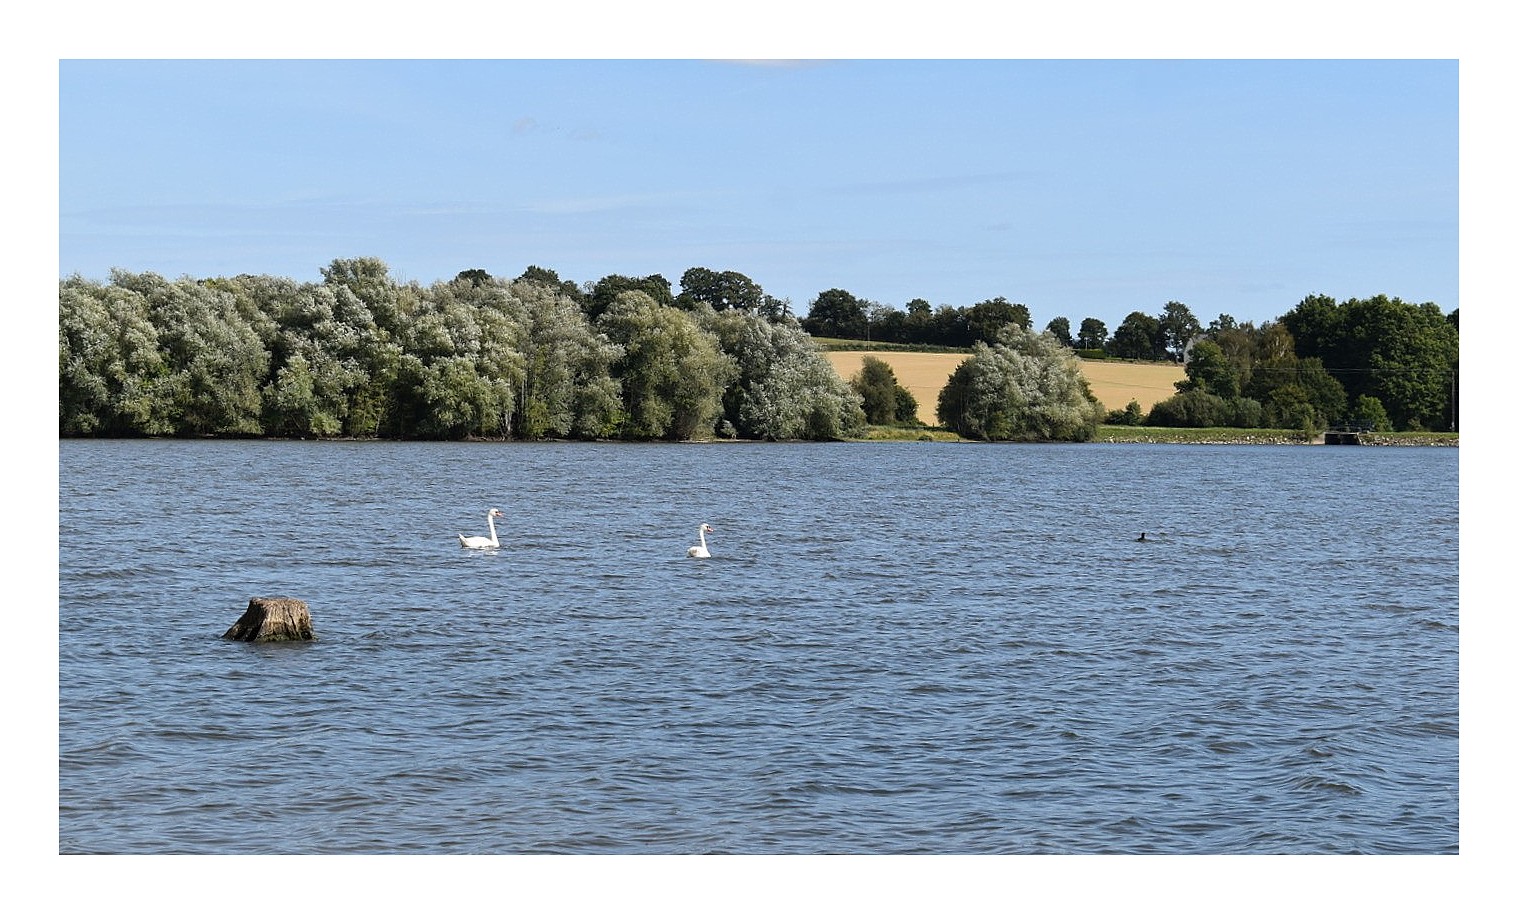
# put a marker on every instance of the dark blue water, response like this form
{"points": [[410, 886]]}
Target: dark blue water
{"points": [[904, 648]]}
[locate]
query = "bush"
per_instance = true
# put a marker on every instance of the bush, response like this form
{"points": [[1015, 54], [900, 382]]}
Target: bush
{"points": [[1242, 412], [906, 407], [1370, 414], [1026, 387], [1191, 409], [1132, 414]]}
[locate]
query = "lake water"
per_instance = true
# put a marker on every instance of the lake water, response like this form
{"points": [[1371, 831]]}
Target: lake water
{"points": [[896, 648]]}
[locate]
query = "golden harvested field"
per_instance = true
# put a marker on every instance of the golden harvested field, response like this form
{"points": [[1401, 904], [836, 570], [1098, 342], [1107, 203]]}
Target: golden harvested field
{"points": [[925, 373]]}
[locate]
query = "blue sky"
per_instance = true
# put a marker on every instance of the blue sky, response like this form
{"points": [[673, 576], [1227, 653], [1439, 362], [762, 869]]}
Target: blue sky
{"points": [[1081, 188]]}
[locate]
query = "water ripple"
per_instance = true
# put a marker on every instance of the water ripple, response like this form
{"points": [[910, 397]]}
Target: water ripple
{"points": [[850, 673]]}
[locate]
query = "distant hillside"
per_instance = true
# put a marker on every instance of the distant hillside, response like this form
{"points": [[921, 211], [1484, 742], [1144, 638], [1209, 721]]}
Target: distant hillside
{"points": [[1114, 383]]}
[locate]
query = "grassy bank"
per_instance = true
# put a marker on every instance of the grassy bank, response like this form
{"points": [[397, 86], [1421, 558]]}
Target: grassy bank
{"points": [[1124, 434], [898, 433]]}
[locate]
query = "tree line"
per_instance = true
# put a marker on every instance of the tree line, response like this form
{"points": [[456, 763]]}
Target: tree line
{"points": [[362, 355], [359, 354], [1379, 363], [839, 314]]}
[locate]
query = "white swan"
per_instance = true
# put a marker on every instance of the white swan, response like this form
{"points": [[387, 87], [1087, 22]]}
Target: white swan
{"points": [[483, 542], [700, 552]]}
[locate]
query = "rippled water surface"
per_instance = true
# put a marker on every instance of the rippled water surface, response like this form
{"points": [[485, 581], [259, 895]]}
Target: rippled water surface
{"points": [[895, 648]]}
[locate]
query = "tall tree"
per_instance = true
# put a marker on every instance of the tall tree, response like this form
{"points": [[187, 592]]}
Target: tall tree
{"points": [[1404, 355], [775, 309], [112, 378], [1093, 334], [838, 314], [368, 278], [1060, 328], [987, 318], [568, 390], [1178, 327], [785, 388], [1209, 370], [550, 279], [673, 372], [216, 363], [608, 288], [1139, 337], [719, 291], [876, 385]]}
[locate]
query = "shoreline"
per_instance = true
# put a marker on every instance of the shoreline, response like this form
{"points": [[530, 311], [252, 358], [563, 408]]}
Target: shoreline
{"points": [[1106, 434]]}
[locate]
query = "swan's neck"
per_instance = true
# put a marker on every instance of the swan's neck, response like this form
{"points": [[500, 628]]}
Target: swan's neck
{"points": [[701, 532], [490, 521]]}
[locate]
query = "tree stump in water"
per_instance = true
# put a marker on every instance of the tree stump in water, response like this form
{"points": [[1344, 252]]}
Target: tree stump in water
{"points": [[273, 619]]}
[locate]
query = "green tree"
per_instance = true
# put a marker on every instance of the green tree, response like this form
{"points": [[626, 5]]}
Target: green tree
{"points": [[673, 372], [1297, 393], [785, 388], [1316, 326], [112, 378], [889, 325], [608, 289], [1368, 413], [1402, 354], [568, 390], [550, 278], [951, 327], [461, 366], [1289, 406], [1093, 334], [878, 390], [1060, 328], [1026, 387], [449, 399], [1324, 391], [917, 324], [1139, 337], [775, 309], [1178, 327], [719, 291], [837, 314], [323, 344], [1209, 370], [1236, 342], [215, 362], [906, 407], [291, 407], [986, 319], [1194, 408], [368, 278]]}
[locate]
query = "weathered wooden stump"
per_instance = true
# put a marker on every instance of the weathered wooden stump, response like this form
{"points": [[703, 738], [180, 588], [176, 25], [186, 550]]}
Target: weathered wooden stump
{"points": [[273, 619]]}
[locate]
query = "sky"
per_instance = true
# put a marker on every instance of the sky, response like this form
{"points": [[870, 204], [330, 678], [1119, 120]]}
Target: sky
{"points": [[1080, 188]]}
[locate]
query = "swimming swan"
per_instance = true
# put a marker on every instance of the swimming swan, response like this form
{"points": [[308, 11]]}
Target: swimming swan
{"points": [[483, 542], [700, 552]]}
